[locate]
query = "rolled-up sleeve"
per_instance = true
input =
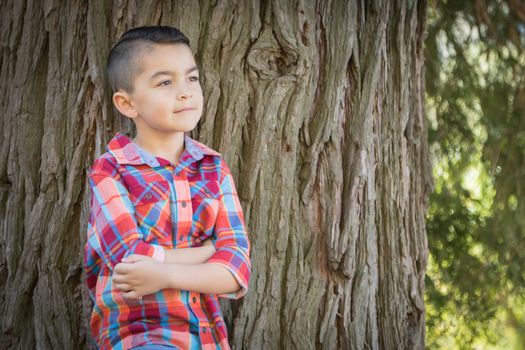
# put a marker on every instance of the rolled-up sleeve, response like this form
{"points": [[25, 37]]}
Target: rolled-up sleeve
{"points": [[230, 237], [113, 229]]}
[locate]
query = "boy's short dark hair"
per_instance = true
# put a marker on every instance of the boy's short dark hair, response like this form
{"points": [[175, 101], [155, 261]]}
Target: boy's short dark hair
{"points": [[123, 62]]}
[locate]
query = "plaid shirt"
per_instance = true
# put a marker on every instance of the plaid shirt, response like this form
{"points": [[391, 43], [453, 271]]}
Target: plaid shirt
{"points": [[138, 202]]}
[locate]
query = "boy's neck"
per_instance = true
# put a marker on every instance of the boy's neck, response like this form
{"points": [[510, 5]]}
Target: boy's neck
{"points": [[168, 146]]}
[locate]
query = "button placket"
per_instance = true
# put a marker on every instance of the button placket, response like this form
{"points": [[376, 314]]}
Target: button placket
{"points": [[184, 211], [195, 305]]}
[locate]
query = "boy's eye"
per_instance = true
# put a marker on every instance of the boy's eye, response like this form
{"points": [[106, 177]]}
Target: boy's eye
{"points": [[196, 78]]}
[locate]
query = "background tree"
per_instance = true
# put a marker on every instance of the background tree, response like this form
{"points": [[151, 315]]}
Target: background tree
{"points": [[316, 105], [476, 103]]}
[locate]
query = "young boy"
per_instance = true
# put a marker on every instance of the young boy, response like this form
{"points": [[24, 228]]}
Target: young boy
{"points": [[166, 231]]}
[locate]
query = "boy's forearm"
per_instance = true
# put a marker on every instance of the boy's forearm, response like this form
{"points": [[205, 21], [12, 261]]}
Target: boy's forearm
{"points": [[195, 255], [208, 278]]}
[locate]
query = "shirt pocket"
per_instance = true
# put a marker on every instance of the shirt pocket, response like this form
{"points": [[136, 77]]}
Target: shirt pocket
{"points": [[152, 209], [205, 203], [150, 192]]}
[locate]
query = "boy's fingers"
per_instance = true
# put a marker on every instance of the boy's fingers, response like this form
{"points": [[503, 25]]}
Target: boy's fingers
{"points": [[123, 286], [129, 258], [131, 295], [135, 257], [121, 269]]}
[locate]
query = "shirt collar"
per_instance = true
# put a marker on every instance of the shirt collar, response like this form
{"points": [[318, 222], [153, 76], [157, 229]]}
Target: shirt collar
{"points": [[126, 151]]}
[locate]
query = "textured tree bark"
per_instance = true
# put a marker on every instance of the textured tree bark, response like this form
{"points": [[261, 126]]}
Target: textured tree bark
{"points": [[316, 105]]}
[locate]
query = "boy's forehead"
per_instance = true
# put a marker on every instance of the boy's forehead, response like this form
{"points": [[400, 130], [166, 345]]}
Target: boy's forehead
{"points": [[177, 59]]}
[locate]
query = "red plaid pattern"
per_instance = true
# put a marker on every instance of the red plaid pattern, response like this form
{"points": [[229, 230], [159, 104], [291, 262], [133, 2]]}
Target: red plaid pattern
{"points": [[138, 202]]}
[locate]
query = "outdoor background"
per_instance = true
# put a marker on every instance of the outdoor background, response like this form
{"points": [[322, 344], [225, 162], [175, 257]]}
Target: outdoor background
{"points": [[378, 149], [475, 102]]}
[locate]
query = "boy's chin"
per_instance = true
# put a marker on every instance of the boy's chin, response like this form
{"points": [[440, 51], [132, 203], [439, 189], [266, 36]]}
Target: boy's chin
{"points": [[186, 128], [167, 129]]}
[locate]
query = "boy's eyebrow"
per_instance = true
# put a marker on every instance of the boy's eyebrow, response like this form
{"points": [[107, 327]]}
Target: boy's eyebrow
{"points": [[168, 72]]}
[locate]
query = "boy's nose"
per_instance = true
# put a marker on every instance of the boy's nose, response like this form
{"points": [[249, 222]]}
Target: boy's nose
{"points": [[184, 95]]}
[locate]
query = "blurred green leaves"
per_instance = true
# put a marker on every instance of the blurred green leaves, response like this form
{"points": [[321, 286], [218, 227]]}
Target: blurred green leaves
{"points": [[475, 86]]}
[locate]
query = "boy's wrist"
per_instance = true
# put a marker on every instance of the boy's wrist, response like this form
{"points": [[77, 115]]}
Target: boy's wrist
{"points": [[159, 254]]}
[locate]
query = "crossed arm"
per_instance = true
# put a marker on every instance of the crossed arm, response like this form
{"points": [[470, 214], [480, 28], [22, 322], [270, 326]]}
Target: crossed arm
{"points": [[221, 266], [183, 268]]}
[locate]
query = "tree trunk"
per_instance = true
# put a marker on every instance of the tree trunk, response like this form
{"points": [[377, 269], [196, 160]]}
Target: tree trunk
{"points": [[318, 107]]}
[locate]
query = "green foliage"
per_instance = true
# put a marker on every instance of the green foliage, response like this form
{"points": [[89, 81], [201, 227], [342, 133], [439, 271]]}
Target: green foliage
{"points": [[476, 109]]}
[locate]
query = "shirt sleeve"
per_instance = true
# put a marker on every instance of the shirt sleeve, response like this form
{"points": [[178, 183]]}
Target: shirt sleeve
{"points": [[114, 232], [230, 237]]}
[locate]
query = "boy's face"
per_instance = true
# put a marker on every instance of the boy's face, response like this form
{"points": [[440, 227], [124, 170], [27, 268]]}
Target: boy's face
{"points": [[168, 83]]}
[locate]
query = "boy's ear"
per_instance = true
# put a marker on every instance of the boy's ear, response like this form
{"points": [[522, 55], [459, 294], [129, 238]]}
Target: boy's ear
{"points": [[122, 101]]}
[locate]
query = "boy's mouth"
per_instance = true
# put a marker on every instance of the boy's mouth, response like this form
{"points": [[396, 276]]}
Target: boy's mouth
{"points": [[185, 109]]}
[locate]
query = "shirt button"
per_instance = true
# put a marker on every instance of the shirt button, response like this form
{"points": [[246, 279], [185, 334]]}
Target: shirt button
{"points": [[181, 237], [204, 330], [184, 204], [194, 299], [148, 195]]}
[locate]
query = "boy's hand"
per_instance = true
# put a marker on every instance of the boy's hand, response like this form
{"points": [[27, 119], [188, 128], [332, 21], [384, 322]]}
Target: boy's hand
{"points": [[208, 243], [139, 275]]}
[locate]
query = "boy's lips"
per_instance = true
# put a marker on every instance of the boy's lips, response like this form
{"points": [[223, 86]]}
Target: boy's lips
{"points": [[185, 109]]}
